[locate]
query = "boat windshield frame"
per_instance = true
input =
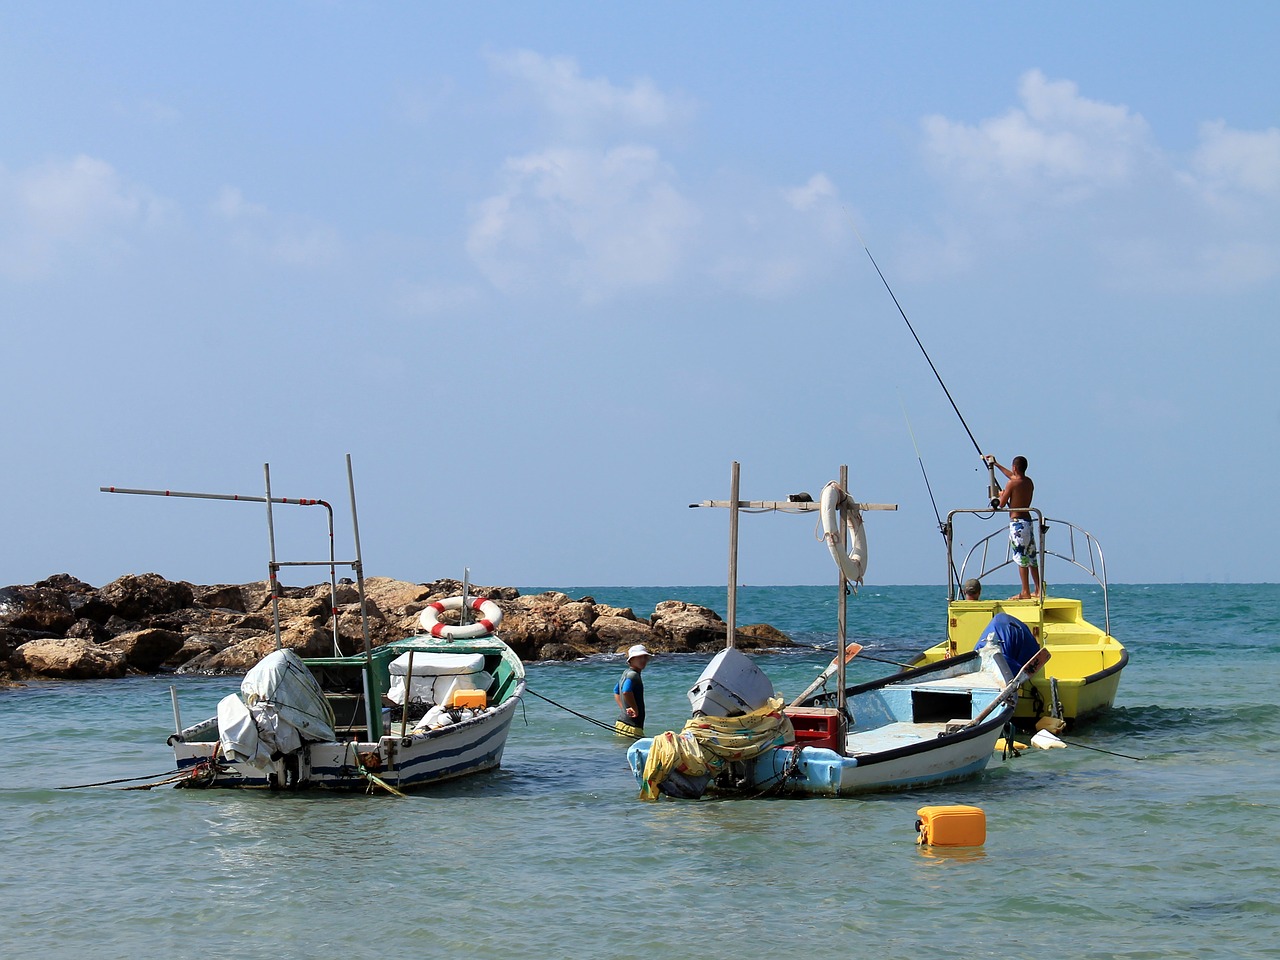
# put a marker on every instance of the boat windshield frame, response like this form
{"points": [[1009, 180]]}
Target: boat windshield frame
{"points": [[1082, 550]]}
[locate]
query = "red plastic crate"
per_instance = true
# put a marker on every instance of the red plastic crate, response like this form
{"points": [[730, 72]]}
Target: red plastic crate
{"points": [[816, 727]]}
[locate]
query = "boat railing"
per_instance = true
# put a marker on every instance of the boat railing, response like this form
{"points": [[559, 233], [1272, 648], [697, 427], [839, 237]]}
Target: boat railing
{"points": [[274, 566], [994, 552]]}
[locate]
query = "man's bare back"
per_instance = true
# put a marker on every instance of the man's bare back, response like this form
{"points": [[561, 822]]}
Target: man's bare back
{"points": [[1017, 493]]}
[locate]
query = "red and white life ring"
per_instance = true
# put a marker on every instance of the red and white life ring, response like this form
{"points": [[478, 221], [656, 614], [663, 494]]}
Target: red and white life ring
{"points": [[490, 617], [854, 564]]}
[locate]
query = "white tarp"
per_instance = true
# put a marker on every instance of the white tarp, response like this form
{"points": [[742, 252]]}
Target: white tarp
{"points": [[282, 707], [239, 733]]}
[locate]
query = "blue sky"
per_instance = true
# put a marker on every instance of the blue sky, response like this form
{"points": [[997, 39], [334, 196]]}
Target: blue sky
{"points": [[546, 271]]}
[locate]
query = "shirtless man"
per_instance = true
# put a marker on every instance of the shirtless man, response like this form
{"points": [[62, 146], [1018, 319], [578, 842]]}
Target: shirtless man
{"points": [[1016, 496]]}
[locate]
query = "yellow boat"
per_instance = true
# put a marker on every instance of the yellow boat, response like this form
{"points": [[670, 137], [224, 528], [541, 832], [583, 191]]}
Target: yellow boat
{"points": [[1083, 673]]}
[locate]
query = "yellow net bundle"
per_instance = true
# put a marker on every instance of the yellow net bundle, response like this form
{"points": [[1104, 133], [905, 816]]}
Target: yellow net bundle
{"points": [[707, 743]]}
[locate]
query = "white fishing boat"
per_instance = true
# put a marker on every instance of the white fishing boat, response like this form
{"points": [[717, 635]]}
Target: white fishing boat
{"points": [[921, 728], [430, 707]]}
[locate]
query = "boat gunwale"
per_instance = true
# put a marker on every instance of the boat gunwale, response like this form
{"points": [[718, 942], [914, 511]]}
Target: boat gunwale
{"points": [[999, 717], [1106, 672]]}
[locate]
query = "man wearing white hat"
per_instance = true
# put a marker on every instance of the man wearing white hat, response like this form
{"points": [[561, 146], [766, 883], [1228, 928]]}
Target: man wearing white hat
{"points": [[629, 692]]}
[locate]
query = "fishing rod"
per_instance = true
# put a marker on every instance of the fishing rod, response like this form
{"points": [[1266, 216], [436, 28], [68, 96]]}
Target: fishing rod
{"points": [[992, 487], [942, 527]]}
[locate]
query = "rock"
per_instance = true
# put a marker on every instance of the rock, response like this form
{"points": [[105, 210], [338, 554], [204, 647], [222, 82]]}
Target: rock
{"points": [[11, 638], [135, 596], [395, 597], [63, 627], [87, 629], [83, 599], [563, 651], [302, 635], [116, 625], [760, 636], [221, 597], [257, 595], [577, 612], [147, 650], [684, 627], [446, 587], [618, 633], [192, 650], [36, 607], [71, 659], [527, 630], [604, 610]]}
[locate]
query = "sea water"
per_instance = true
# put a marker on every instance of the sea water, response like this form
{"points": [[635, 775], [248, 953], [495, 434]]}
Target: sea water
{"points": [[1165, 846]]}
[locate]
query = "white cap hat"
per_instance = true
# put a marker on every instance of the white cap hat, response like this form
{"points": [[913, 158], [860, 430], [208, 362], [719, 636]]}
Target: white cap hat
{"points": [[638, 650]]}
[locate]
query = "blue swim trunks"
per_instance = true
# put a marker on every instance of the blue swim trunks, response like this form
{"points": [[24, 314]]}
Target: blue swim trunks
{"points": [[1023, 541]]}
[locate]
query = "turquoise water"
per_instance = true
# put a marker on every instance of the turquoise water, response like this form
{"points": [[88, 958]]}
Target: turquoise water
{"points": [[1087, 854]]}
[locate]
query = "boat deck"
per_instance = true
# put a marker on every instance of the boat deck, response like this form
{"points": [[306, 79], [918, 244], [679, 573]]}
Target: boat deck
{"points": [[978, 679], [891, 736], [919, 711]]}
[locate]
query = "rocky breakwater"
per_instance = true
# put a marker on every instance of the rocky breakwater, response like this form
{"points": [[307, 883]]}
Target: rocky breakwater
{"points": [[63, 628]]}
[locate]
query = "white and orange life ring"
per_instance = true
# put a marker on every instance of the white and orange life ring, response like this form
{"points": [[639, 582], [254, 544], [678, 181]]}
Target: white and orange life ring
{"points": [[854, 564], [490, 617]]}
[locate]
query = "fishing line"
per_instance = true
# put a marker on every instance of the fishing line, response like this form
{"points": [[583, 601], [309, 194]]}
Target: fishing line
{"points": [[942, 529], [1073, 743], [913, 334], [861, 656]]}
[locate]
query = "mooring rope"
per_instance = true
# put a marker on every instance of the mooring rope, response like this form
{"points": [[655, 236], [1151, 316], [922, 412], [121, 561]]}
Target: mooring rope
{"points": [[107, 783], [599, 723]]}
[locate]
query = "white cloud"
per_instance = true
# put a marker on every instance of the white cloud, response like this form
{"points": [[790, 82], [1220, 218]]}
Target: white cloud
{"points": [[580, 106], [1238, 161], [599, 210], [596, 210], [596, 221], [264, 235], [770, 242], [1058, 144], [148, 111], [818, 191], [61, 209], [231, 205], [434, 298], [1089, 177]]}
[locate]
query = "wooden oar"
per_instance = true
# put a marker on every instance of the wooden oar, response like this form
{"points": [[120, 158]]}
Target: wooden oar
{"points": [[378, 781], [850, 652], [370, 775]]}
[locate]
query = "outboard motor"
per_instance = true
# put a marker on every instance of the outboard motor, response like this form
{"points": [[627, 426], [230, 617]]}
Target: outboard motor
{"points": [[730, 685]]}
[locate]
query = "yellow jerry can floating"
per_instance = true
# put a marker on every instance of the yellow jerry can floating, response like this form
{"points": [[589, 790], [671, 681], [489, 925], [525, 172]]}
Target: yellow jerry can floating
{"points": [[951, 826]]}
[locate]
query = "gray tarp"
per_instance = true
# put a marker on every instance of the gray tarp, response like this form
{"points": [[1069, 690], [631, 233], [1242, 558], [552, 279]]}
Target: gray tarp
{"points": [[285, 708]]}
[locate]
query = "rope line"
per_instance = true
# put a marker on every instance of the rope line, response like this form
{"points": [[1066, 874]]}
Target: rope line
{"points": [[107, 783], [599, 723]]}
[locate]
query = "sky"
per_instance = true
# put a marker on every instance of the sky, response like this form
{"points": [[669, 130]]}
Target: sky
{"points": [[546, 271]]}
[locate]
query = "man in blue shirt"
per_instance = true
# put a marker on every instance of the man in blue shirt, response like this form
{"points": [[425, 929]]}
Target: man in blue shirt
{"points": [[1013, 637], [629, 693]]}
